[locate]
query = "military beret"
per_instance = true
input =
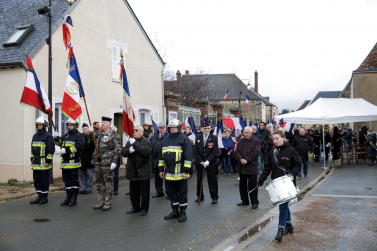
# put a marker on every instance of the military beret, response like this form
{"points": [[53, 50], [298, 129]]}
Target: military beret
{"points": [[161, 124], [85, 125], [106, 119]]}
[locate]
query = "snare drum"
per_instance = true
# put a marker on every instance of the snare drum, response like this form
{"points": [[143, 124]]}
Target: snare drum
{"points": [[281, 190]]}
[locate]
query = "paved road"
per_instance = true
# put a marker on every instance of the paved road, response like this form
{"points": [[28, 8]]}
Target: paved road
{"points": [[341, 214], [82, 228]]}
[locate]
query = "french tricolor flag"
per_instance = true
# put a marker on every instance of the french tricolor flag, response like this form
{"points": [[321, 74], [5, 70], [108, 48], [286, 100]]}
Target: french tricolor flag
{"points": [[128, 111], [34, 94], [247, 102], [226, 95], [72, 92], [66, 34]]}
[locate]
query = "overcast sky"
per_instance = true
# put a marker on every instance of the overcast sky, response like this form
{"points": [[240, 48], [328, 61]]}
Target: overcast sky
{"points": [[298, 47]]}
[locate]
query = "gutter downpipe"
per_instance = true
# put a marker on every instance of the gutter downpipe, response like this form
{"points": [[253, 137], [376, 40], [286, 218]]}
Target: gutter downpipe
{"points": [[256, 110], [163, 95]]}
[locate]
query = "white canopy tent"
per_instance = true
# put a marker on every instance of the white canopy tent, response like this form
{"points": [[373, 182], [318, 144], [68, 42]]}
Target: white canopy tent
{"points": [[333, 111]]}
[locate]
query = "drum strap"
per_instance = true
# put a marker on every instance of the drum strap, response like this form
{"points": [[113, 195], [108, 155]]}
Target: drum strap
{"points": [[276, 154]]}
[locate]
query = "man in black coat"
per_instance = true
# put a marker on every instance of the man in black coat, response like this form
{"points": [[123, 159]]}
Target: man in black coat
{"points": [[267, 139], [205, 151], [138, 170], [86, 169], [303, 144], [156, 149]]}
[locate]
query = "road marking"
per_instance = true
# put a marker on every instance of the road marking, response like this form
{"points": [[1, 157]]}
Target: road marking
{"points": [[344, 196]]}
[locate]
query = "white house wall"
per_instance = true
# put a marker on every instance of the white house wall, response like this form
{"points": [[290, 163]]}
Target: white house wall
{"points": [[95, 22]]}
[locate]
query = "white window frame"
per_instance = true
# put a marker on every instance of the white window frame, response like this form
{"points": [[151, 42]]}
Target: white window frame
{"points": [[175, 114], [115, 58]]}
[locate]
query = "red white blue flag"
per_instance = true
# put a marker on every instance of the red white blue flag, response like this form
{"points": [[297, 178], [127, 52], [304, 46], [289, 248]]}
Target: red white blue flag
{"points": [[226, 95], [34, 94], [128, 111], [73, 91], [66, 34], [247, 102]]}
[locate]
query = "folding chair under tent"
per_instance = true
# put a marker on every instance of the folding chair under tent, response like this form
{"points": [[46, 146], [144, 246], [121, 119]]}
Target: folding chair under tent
{"points": [[332, 111]]}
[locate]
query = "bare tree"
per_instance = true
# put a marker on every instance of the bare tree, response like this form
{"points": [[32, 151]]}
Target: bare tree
{"points": [[194, 87]]}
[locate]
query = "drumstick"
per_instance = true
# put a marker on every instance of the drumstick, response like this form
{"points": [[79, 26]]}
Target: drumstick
{"points": [[253, 189]]}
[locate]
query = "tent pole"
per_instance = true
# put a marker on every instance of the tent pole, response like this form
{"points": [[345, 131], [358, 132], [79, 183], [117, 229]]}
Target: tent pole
{"points": [[324, 146]]}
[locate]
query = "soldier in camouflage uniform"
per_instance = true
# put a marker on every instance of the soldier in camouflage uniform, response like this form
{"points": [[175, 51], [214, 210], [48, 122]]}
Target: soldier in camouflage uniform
{"points": [[109, 152]]}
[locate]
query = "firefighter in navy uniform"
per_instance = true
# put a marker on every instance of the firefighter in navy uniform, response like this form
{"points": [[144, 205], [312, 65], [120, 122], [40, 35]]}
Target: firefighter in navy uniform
{"points": [[42, 152], [174, 164], [72, 145]]}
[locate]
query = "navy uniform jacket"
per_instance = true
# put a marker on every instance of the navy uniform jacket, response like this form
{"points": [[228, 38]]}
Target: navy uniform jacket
{"points": [[208, 152]]}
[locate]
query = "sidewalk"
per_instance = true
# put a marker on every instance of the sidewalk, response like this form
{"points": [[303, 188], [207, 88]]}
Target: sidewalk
{"points": [[339, 213], [15, 192]]}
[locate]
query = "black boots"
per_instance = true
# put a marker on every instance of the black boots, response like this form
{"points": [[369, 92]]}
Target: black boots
{"points": [[36, 200], [73, 200], [44, 199], [279, 234], [66, 201], [288, 229], [182, 216], [172, 215]]}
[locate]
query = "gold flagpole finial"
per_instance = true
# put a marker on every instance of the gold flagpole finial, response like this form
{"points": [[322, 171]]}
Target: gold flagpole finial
{"points": [[122, 65], [121, 56], [24, 50]]}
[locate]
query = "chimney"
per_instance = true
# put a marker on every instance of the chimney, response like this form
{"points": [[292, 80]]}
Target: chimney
{"points": [[256, 81], [178, 77], [187, 72]]}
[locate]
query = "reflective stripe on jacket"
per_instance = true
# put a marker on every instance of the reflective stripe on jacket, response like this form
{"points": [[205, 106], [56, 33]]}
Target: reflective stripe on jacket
{"points": [[42, 150], [73, 143], [175, 157]]}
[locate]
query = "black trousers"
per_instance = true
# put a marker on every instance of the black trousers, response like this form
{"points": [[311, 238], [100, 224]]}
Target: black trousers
{"points": [[327, 150], [212, 183], [317, 153], [158, 181], [136, 187], [177, 193], [116, 179], [41, 181], [247, 183], [71, 180]]}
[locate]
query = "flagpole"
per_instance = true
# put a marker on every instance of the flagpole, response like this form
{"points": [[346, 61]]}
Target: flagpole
{"points": [[57, 137], [90, 122]]}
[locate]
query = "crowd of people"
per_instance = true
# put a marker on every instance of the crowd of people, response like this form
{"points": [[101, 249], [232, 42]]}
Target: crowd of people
{"points": [[172, 156]]}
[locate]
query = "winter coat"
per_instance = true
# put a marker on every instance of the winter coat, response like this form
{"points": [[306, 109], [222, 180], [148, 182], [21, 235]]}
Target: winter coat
{"points": [[87, 152], [290, 160], [248, 149], [371, 150], [138, 163], [258, 136], [42, 150], [303, 144], [267, 139], [156, 149], [206, 152]]}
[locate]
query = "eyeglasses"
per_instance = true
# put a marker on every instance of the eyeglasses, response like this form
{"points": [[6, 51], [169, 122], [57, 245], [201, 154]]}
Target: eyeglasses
{"points": [[136, 130]]}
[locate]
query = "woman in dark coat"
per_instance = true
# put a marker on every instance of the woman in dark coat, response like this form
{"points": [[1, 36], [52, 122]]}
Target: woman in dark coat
{"points": [[371, 148], [289, 159], [337, 143]]}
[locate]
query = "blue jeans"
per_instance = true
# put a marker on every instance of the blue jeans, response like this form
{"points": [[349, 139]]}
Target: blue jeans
{"points": [[264, 152], [259, 163], [227, 164], [284, 215], [304, 160]]}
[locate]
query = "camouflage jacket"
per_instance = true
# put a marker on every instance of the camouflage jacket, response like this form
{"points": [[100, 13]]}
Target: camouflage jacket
{"points": [[108, 149]]}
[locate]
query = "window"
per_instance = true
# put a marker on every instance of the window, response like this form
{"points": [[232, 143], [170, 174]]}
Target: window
{"points": [[19, 35], [60, 120], [116, 47], [172, 115], [142, 118]]}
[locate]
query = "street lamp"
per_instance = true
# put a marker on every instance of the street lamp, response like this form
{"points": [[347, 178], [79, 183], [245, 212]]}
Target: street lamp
{"points": [[71, 2], [248, 86], [43, 11]]}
